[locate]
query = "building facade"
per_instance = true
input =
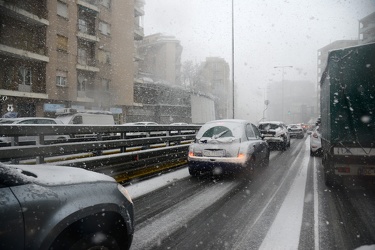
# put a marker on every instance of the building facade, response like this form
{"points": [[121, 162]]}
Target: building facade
{"points": [[160, 59], [367, 29], [215, 74], [61, 53]]}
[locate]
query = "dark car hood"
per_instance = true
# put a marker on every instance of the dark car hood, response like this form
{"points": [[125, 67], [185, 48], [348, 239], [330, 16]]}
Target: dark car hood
{"points": [[49, 175]]}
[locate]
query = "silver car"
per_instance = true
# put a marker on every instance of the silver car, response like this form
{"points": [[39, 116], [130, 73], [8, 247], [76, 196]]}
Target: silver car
{"points": [[54, 207], [315, 142], [227, 146], [32, 121], [275, 133]]}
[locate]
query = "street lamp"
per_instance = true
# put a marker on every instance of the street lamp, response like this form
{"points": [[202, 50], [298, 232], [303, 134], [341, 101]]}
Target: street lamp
{"points": [[282, 88], [233, 58]]}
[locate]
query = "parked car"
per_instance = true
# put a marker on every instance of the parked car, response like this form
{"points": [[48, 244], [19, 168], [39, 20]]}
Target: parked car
{"points": [[227, 146], [54, 207], [143, 134], [275, 133], [32, 121], [88, 117], [315, 142], [296, 130]]}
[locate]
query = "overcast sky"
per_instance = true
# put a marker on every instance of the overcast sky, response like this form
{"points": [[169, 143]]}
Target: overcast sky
{"points": [[267, 33]]}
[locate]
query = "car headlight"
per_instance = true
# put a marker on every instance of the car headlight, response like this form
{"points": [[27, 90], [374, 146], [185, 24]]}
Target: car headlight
{"points": [[124, 192]]}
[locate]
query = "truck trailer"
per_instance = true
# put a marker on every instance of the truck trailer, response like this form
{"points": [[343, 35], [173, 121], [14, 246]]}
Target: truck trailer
{"points": [[347, 108]]}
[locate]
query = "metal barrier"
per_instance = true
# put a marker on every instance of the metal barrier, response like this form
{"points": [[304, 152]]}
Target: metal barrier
{"points": [[123, 152]]}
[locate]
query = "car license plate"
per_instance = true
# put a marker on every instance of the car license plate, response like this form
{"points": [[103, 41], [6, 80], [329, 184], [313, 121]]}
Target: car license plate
{"points": [[367, 171], [213, 153]]}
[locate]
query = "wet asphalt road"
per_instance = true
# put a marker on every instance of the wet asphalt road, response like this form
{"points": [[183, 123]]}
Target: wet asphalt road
{"points": [[284, 206]]}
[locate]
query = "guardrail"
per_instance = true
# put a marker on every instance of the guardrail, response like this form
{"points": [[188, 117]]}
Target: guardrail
{"points": [[123, 152]]}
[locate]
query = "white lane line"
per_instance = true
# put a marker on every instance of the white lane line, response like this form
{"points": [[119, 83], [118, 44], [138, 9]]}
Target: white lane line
{"points": [[316, 208], [286, 228], [243, 242]]}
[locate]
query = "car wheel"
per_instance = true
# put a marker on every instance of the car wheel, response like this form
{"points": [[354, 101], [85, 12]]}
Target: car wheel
{"points": [[312, 153], [266, 160], [94, 232], [193, 172]]}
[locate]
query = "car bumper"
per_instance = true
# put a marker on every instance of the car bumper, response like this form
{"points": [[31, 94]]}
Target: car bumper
{"points": [[274, 139], [209, 164], [296, 134]]}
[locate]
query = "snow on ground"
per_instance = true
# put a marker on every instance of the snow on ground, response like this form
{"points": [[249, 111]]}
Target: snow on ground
{"points": [[286, 228], [138, 189]]}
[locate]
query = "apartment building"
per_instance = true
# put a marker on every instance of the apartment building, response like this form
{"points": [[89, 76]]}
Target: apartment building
{"points": [[161, 59], [367, 29], [215, 74], [61, 53]]}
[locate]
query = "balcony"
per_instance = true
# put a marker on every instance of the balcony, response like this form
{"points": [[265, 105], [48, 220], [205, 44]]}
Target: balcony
{"points": [[87, 37], [23, 15], [138, 11], [22, 54], [90, 4], [138, 32]]}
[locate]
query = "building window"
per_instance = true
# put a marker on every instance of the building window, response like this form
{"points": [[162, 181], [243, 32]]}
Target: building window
{"points": [[105, 84], [24, 75], [104, 57], [61, 78], [8, 75], [81, 86], [104, 28], [82, 56], [82, 26], [62, 9], [62, 43], [106, 3]]}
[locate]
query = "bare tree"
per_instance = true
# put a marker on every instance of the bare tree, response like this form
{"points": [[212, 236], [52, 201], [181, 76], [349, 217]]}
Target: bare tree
{"points": [[192, 76]]}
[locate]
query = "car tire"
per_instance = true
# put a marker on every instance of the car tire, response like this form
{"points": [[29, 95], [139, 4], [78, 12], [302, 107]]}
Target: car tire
{"points": [[93, 233], [194, 172], [266, 160], [312, 153]]}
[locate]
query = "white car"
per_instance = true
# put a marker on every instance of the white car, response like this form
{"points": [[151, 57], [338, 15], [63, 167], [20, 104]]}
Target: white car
{"points": [[315, 142], [32, 121], [227, 146], [296, 130], [275, 133]]}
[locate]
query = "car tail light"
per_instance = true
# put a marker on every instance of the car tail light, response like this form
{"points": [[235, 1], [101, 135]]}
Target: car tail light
{"points": [[191, 153], [315, 135], [343, 170], [240, 155]]}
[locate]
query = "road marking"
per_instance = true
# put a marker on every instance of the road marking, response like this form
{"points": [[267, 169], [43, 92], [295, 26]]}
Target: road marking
{"points": [[284, 232], [316, 207]]}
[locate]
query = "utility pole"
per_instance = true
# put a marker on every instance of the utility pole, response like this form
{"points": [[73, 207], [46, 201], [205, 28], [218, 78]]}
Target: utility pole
{"points": [[282, 89], [233, 57]]}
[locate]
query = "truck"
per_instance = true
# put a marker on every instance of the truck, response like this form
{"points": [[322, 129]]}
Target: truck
{"points": [[347, 107]]}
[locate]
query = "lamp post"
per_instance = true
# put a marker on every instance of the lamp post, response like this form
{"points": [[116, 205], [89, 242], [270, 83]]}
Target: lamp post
{"points": [[282, 88], [233, 58]]}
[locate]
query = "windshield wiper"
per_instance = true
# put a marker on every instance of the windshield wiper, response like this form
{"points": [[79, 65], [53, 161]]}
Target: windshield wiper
{"points": [[220, 134]]}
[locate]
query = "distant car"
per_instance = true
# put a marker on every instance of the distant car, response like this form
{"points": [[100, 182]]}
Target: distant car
{"points": [[54, 207], [141, 123], [315, 142], [227, 146], [142, 134], [296, 130], [275, 133], [33, 121], [179, 123]]}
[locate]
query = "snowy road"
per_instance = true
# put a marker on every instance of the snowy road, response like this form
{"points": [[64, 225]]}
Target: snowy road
{"points": [[285, 206]]}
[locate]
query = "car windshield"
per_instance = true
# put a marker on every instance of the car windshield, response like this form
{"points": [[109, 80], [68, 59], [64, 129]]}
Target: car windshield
{"points": [[227, 124], [268, 126], [220, 130]]}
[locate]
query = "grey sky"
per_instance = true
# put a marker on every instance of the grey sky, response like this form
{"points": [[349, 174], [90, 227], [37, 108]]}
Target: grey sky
{"points": [[267, 34]]}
